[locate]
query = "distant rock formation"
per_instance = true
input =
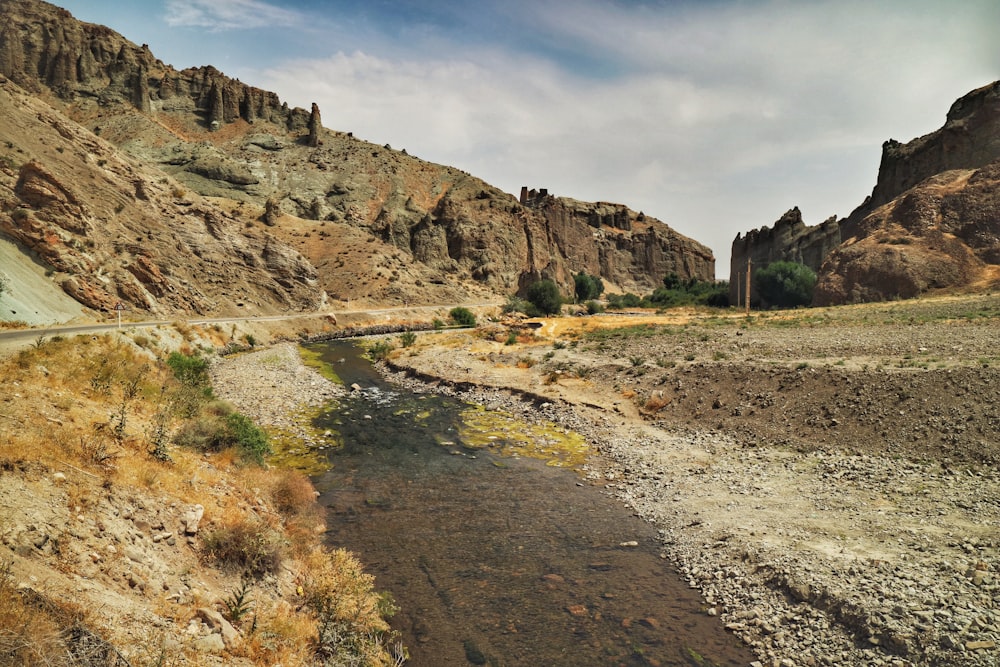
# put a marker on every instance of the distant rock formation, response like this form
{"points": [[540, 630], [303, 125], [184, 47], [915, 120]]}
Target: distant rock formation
{"points": [[790, 239], [315, 125], [932, 220]]}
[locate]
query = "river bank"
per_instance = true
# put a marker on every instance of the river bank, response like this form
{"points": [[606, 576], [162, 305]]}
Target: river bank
{"points": [[816, 548]]}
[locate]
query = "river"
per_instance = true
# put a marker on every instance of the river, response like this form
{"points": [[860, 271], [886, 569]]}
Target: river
{"points": [[496, 557]]}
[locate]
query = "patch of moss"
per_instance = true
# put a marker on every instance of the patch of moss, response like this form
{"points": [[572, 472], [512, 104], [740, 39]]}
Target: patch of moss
{"points": [[314, 359], [509, 436]]}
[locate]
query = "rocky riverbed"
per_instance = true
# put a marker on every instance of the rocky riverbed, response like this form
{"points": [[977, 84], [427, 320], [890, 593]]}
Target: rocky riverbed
{"points": [[866, 536]]}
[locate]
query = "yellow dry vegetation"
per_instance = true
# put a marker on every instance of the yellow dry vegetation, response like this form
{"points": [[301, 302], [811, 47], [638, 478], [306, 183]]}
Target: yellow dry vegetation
{"points": [[97, 413]]}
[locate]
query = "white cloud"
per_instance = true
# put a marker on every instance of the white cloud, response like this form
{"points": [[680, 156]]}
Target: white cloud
{"points": [[220, 15]]}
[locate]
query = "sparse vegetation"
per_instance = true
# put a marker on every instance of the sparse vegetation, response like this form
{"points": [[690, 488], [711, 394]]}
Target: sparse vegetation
{"points": [[97, 409]]}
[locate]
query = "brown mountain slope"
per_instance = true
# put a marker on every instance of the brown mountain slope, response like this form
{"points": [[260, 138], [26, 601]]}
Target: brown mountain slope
{"points": [[377, 224], [110, 229]]}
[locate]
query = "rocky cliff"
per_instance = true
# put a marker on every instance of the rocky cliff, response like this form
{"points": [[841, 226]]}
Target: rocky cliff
{"points": [[111, 230], [931, 222], [376, 224]]}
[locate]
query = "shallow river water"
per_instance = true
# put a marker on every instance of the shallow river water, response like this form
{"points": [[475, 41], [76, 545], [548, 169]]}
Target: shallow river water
{"points": [[493, 558]]}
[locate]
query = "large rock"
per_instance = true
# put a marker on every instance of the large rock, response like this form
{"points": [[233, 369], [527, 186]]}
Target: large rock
{"points": [[943, 233]]}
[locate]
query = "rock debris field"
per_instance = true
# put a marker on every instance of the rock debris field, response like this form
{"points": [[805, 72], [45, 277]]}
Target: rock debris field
{"points": [[826, 477]]}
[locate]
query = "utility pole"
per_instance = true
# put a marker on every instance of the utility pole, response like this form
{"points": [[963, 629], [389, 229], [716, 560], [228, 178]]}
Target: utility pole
{"points": [[748, 287]]}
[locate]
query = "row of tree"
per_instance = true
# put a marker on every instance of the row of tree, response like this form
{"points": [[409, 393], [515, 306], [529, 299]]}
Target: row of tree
{"points": [[780, 284]]}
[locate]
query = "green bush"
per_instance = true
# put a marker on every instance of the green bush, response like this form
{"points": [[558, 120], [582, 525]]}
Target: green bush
{"points": [[378, 350], [785, 284], [594, 307], [587, 287], [516, 304], [249, 439], [462, 316], [545, 297], [691, 292], [218, 428], [627, 300], [191, 371], [408, 338]]}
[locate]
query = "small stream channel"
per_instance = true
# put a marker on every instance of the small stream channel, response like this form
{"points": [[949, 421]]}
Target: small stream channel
{"points": [[497, 558]]}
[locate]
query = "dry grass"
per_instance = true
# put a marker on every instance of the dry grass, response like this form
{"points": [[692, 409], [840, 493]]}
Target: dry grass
{"points": [[94, 409]]}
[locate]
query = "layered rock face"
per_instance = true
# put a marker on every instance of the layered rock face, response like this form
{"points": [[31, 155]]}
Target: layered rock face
{"points": [[970, 138], [943, 233], [43, 46], [931, 222], [110, 230], [376, 223]]}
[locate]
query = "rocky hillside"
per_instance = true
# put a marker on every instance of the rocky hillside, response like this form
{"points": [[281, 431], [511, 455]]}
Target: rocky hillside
{"points": [[259, 201], [931, 222]]}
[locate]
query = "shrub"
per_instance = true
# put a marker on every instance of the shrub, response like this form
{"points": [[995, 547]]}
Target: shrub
{"points": [[516, 304], [379, 350], [245, 546], [594, 307], [221, 428], [293, 494], [544, 296], [587, 287], [191, 371], [462, 316], [408, 338], [627, 300], [785, 284], [249, 439], [350, 613]]}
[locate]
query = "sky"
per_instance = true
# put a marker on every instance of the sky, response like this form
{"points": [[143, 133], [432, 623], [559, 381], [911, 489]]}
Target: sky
{"points": [[714, 116]]}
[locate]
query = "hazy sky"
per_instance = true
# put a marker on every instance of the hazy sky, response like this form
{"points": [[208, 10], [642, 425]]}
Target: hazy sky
{"points": [[715, 116]]}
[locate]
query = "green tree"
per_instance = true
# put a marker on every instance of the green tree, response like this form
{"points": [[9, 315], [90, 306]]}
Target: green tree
{"points": [[462, 316], [544, 295], [671, 281], [785, 284], [587, 287]]}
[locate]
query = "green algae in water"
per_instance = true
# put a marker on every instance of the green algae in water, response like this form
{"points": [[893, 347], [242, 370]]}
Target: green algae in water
{"points": [[289, 451], [313, 358], [509, 436]]}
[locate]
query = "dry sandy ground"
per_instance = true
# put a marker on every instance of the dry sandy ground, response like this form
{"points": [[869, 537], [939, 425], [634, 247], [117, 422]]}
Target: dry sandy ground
{"points": [[826, 477]]}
